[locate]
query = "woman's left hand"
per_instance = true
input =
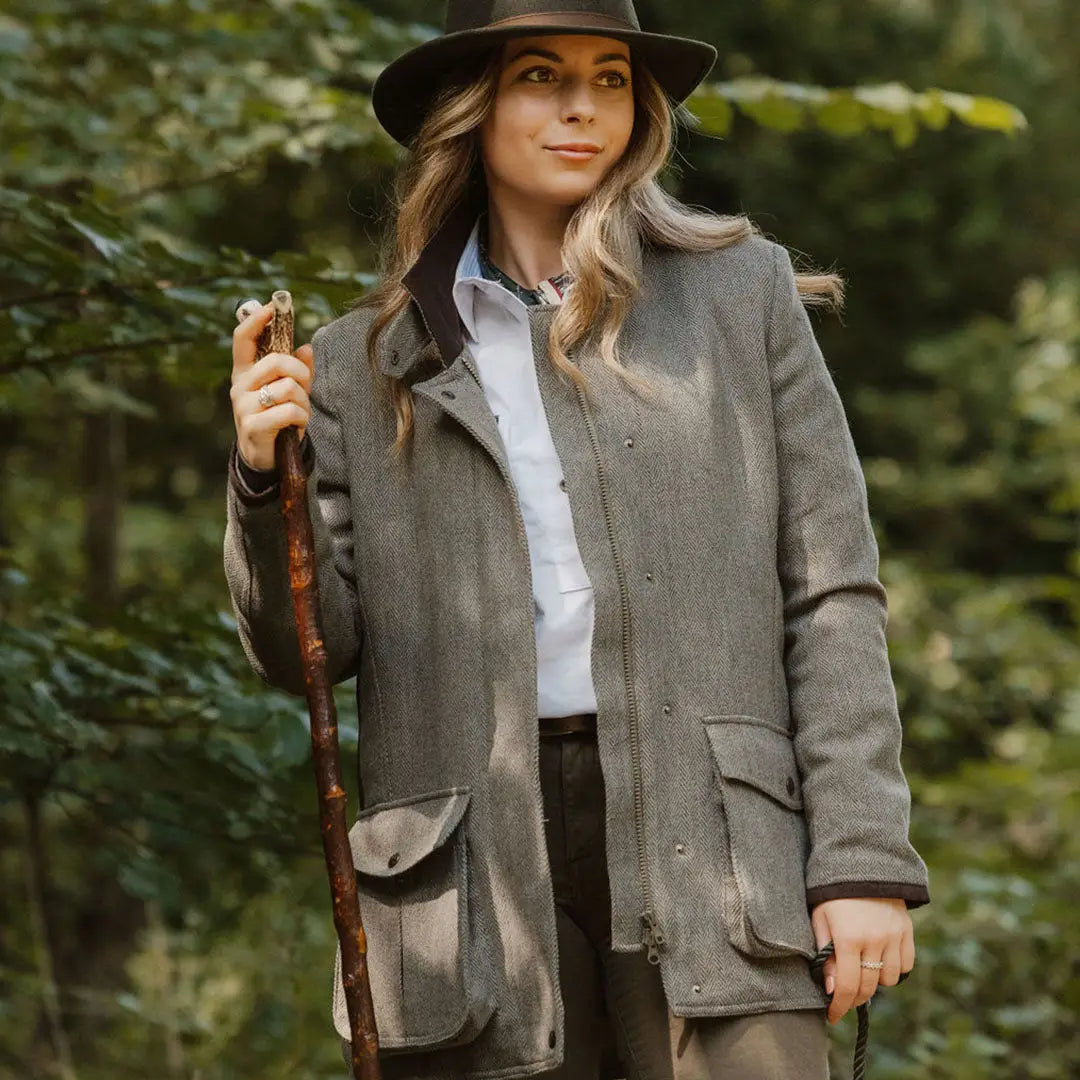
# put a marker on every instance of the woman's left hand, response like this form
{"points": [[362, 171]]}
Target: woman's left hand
{"points": [[862, 928]]}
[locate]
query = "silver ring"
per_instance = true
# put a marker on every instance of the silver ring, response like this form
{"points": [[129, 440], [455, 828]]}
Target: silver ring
{"points": [[876, 964], [266, 396]]}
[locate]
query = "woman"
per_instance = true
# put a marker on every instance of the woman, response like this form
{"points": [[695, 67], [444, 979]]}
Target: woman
{"points": [[594, 472]]}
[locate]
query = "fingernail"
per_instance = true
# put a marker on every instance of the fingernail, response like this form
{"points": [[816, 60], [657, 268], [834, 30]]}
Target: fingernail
{"points": [[830, 982]]}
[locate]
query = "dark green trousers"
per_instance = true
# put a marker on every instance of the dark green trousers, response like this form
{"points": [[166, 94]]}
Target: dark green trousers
{"points": [[618, 1023]]}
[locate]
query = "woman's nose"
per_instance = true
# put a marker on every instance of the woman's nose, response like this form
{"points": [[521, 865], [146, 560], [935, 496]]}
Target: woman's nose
{"points": [[578, 99]]}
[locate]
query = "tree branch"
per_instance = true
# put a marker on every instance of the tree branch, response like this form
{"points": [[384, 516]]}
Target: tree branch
{"points": [[184, 185], [36, 877], [93, 350]]}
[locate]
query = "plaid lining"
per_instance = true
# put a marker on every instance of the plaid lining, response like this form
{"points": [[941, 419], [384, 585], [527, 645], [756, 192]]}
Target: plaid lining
{"points": [[549, 291]]}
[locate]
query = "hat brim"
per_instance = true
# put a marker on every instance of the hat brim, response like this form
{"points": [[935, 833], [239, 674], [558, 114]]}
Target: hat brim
{"points": [[405, 88]]}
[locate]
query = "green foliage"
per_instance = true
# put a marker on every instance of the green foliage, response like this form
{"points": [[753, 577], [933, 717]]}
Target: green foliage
{"points": [[161, 696], [130, 296], [1001, 833], [171, 96], [984, 471], [108, 110], [171, 788], [988, 674], [891, 107]]}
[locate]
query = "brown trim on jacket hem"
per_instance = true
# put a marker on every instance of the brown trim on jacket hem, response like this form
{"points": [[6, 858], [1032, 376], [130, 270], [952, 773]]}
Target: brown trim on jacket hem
{"points": [[913, 895]]}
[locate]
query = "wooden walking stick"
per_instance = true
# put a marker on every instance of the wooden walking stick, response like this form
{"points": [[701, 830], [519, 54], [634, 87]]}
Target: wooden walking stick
{"points": [[277, 336]]}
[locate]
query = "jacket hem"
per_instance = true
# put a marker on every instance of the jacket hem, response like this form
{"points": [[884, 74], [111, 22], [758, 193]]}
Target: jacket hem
{"points": [[527, 1068], [748, 1007]]}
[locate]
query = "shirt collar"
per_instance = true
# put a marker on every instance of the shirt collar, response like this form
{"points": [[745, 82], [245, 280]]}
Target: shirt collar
{"points": [[468, 280], [476, 272]]}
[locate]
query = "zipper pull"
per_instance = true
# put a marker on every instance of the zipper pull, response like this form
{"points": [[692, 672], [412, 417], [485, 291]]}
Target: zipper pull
{"points": [[653, 936]]}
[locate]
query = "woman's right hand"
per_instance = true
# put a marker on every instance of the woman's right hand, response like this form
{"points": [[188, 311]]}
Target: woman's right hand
{"points": [[289, 379]]}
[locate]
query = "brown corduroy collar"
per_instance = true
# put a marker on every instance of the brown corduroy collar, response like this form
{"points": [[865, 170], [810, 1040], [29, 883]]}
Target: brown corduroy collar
{"points": [[433, 319], [430, 282]]}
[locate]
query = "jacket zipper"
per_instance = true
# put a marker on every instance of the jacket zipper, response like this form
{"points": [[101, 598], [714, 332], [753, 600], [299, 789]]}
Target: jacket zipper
{"points": [[652, 935]]}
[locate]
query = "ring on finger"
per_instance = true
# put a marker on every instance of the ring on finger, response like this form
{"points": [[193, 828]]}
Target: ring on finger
{"points": [[266, 396], [876, 964]]}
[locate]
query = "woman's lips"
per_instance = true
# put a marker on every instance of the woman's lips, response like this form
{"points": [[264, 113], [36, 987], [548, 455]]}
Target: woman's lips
{"points": [[573, 155]]}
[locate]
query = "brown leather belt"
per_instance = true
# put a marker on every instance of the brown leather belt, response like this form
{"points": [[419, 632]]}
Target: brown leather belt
{"points": [[568, 725]]}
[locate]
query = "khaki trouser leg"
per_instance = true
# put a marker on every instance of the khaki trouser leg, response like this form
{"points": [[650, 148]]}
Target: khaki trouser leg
{"points": [[618, 1023], [657, 1045]]}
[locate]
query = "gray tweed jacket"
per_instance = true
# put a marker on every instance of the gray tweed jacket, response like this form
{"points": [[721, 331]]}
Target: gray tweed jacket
{"points": [[748, 724]]}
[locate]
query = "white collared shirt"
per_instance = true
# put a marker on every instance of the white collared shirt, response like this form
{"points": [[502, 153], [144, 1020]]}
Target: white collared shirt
{"points": [[497, 333]]}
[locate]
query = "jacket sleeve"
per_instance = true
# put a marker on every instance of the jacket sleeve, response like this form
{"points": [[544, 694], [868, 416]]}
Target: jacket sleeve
{"points": [[256, 552], [847, 734]]}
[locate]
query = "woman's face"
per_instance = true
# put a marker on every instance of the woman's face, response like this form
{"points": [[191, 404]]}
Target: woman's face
{"points": [[555, 90]]}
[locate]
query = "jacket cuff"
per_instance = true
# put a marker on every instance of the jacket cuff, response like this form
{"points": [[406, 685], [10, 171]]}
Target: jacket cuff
{"points": [[913, 895], [257, 480], [257, 487]]}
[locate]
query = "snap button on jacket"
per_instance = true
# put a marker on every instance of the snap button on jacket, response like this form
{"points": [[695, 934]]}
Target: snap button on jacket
{"points": [[747, 721]]}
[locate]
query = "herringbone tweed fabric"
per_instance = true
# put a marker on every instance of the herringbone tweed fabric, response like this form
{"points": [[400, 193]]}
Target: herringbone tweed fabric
{"points": [[756, 654]]}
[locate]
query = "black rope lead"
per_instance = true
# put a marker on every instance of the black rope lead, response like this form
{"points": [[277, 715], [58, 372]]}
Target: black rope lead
{"points": [[817, 968]]}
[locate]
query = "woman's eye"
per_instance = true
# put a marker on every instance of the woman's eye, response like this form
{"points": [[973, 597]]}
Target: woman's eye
{"points": [[620, 79]]}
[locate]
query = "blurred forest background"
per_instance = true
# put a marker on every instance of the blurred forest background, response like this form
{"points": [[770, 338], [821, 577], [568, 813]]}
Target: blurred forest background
{"points": [[164, 910]]}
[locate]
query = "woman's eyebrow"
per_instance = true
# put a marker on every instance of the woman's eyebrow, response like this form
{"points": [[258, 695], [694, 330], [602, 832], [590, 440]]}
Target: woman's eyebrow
{"points": [[547, 54]]}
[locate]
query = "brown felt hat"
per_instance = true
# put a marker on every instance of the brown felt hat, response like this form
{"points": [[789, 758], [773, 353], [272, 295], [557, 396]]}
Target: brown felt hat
{"points": [[405, 88]]}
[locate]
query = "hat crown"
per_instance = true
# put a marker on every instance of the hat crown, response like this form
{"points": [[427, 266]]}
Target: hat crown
{"points": [[478, 14]]}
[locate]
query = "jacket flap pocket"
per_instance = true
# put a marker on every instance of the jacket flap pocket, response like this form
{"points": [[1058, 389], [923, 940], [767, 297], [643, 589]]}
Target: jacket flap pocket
{"points": [[390, 838], [427, 969], [756, 752]]}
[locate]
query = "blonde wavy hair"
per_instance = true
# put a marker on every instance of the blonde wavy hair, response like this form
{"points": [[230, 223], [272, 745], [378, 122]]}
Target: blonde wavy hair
{"points": [[603, 241]]}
